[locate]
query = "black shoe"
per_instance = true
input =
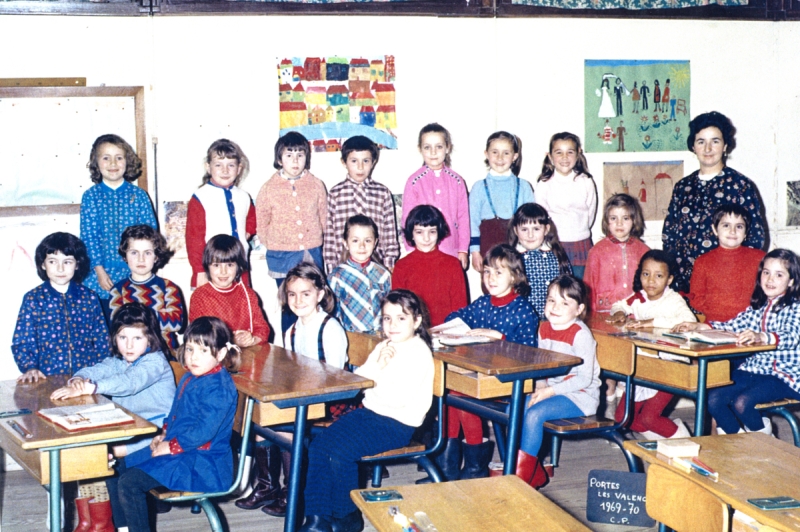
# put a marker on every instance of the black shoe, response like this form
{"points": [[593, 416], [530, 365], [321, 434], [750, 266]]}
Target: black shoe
{"points": [[352, 522], [449, 461], [476, 460], [316, 523], [162, 507]]}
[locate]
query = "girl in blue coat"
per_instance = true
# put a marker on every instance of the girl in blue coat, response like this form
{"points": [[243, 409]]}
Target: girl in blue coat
{"points": [[193, 453]]}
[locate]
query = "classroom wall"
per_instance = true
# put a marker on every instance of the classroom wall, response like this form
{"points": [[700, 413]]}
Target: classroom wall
{"points": [[208, 77]]}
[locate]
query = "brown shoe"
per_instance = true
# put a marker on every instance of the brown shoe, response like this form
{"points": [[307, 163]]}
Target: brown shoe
{"points": [[278, 507], [267, 483]]}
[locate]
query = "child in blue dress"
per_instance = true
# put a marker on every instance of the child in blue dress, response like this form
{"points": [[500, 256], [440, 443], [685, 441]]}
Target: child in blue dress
{"points": [[110, 206], [504, 314], [60, 328], [193, 453], [534, 235], [137, 377]]}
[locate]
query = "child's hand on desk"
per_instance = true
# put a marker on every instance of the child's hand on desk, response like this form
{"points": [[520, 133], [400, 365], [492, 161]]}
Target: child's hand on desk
{"points": [[638, 324], [32, 375], [75, 388], [540, 395], [385, 356], [618, 318], [491, 333], [689, 326], [752, 337], [244, 338]]}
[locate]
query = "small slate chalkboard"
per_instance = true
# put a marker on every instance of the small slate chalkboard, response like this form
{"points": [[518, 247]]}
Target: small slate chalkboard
{"points": [[617, 497]]}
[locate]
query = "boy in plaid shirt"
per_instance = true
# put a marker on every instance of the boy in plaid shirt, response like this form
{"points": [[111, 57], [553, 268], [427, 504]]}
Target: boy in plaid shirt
{"points": [[360, 194]]}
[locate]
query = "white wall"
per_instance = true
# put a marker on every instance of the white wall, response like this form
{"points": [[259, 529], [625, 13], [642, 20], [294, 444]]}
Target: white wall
{"points": [[208, 77]]}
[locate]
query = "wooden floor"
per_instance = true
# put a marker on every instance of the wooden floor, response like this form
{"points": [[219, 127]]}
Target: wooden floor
{"points": [[24, 502]]}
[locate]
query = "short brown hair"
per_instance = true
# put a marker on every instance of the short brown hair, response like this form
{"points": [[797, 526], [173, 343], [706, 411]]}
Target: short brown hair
{"points": [[212, 332], [512, 260], [227, 149], [145, 232], [634, 210], [571, 287]]}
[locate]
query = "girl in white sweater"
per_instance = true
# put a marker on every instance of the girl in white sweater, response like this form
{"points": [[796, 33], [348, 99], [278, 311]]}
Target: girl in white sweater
{"points": [[653, 304], [402, 368]]}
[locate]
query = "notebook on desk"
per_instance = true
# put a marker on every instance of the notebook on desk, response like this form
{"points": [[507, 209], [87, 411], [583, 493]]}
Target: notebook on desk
{"points": [[707, 337], [83, 417]]}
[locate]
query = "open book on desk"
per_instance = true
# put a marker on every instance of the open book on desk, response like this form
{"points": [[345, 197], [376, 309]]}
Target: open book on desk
{"points": [[708, 336], [82, 417], [454, 332]]}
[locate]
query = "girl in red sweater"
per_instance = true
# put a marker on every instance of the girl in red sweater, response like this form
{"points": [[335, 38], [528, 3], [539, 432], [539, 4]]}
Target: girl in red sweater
{"points": [[436, 278], [226, 296]]}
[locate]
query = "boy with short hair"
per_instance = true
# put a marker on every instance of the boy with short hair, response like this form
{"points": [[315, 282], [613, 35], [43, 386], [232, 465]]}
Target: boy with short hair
{"points": [[723, 278], [360, 194]]}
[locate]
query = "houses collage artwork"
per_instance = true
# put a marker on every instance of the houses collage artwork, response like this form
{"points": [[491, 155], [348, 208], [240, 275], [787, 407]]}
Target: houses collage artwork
{"points": [[329, 99]]}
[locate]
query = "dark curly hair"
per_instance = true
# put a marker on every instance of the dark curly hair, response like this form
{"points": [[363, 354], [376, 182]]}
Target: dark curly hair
{"points": [[712, 119]]}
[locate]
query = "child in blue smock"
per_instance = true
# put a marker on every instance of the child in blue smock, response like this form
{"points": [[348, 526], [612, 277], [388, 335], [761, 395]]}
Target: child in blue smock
{"points": [[193, 453]]}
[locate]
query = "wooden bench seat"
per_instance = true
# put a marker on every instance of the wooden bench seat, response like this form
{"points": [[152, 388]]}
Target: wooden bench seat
{"points": [[781, 408], [411, 448], [774, 404], [161, 493], [570, 424]]}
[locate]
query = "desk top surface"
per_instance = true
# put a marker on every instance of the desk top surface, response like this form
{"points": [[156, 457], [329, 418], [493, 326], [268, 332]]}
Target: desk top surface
{"points": [[271, 373], [504, 358], [751, 465], [648, 336], [36, 396], [495, 503]]}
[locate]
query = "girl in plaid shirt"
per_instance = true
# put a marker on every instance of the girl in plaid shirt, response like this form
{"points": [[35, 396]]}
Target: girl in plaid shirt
{"points": [[772, 318], [360, 281]]}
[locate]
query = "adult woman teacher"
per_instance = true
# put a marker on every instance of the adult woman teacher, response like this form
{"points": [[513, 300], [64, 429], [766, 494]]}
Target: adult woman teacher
{"points": [[687, 227]]}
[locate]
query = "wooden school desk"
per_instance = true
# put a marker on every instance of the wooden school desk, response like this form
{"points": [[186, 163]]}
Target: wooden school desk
{"points": [[494, 503], [51, 454], [501, 369], [750, 465], [280, 379], [712, 366]]}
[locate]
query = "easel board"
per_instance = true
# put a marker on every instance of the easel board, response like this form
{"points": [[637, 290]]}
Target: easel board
{"points": [[46, 135]]}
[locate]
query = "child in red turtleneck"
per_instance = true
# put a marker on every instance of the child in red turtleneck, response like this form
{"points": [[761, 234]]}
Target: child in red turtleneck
{"points": [[436, 277], [723, 278]]}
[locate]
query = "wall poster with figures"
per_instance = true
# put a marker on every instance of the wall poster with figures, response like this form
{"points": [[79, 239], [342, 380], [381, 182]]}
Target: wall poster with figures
{"points": [[649, 182], [636, 105], [330, 99]]}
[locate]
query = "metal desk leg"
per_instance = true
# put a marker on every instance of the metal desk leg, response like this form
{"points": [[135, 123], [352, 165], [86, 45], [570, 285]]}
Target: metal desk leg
{"points": [[55, 490], [290, 523], [702, 397], [514, 427]]}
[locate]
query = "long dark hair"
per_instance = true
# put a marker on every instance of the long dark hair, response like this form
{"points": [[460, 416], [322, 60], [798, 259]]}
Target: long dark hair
{"points": [[792, 295], [581, 166], [414, 306], [535, 213]]}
